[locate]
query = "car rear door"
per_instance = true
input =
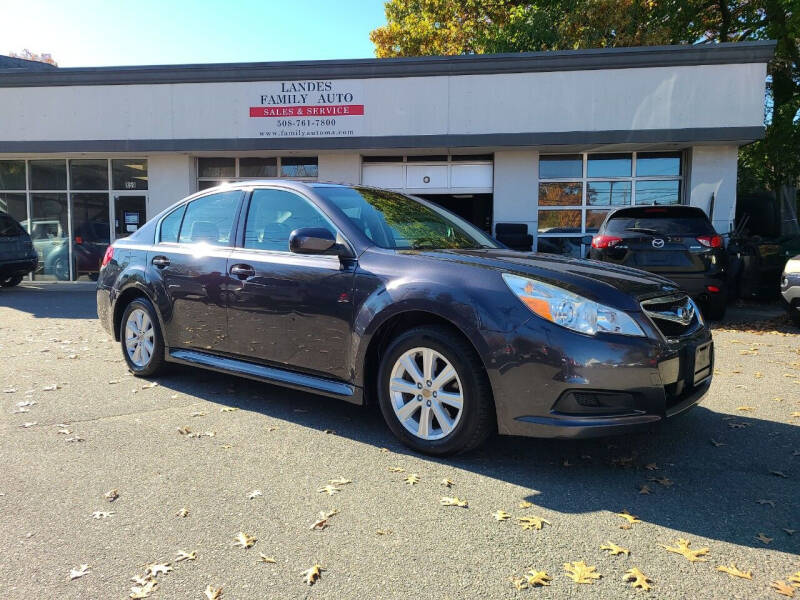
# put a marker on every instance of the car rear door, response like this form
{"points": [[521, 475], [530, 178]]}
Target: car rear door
{"points": [[658, 240], [187, 270], [289, 310]]}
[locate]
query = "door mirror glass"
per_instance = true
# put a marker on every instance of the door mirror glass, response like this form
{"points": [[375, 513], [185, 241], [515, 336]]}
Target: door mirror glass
{"points": [[312, 240]]}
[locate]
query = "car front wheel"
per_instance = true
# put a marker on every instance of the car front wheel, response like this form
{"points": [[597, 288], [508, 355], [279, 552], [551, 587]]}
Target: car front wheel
{"points": [[434, 393], [142, 343]]}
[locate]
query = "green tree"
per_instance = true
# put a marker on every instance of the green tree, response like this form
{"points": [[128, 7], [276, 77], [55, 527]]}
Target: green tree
{"points": [[429, 27]]}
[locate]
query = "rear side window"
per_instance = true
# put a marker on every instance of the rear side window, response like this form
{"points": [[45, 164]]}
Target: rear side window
{"points": [[274, 214], [9, 227], [209, 219], [171, 224], [651, 221]]}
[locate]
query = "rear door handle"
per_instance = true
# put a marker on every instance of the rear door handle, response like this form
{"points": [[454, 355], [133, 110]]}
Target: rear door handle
{"points": [[160, 261], [243, 271]]}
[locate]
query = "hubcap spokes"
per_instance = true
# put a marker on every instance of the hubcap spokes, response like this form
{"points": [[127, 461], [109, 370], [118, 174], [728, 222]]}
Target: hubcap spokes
{"points": [[139, 338], [426, 393]]}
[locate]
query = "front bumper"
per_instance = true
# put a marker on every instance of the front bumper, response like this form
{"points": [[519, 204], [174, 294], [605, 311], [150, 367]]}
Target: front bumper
{"points": [[542, 368], [790, 289], [697, 285]]}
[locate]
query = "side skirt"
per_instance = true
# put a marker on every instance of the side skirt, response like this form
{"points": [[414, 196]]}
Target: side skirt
{"points": [[290, 379]]}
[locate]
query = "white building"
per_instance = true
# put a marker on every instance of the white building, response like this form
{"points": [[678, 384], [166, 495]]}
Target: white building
{"points": [[551, 140]]}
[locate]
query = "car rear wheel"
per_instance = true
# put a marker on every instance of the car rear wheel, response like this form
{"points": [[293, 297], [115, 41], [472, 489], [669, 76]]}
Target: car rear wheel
{"points": [[11, 281], [434, 393], [140, 336]]}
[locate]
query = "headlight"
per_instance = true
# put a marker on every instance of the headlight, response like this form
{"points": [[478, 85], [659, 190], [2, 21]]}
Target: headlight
{"points": [[570, 310]]}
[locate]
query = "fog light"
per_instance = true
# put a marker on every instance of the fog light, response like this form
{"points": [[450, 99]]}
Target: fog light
{"points": [[594, 403]]}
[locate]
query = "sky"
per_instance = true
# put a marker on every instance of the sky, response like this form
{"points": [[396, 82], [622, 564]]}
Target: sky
{"points": [[148, 32]]}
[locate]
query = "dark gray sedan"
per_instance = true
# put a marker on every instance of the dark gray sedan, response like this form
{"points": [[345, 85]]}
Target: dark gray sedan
{"points": [[368, 295]]}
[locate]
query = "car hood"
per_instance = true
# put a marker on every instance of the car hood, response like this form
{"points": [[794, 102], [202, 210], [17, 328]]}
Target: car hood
{"points": [[613, 285]]}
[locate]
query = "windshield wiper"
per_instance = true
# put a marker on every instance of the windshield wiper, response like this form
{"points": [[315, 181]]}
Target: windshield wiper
{"points": [[646, 230]]}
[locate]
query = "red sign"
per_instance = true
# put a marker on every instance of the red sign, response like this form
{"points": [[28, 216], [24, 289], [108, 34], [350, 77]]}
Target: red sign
{"points": [[323, 110]]}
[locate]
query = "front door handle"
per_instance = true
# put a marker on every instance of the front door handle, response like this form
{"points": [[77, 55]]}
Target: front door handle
{"points": [[243, 271], [160, 261]]}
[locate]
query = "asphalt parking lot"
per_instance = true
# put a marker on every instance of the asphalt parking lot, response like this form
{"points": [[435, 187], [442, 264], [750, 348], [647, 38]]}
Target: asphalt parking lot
{"points": [[240, 456]]}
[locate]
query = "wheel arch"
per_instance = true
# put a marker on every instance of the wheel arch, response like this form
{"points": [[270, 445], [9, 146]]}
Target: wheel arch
{"points": [[125, 297]]}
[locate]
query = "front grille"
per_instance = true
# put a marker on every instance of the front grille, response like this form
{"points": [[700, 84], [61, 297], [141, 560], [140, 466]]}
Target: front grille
{"points": [[675, 316]]}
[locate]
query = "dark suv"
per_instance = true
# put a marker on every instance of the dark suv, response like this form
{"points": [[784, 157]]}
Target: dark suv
{"points": [[17, 256], [368, 295], [677, 242]]}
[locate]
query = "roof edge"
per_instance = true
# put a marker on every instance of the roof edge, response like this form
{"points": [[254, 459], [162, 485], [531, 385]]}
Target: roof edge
{"points": [[423, 66]]}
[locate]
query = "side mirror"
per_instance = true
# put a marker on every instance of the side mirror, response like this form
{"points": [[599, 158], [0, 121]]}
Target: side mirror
{"points": [[587, 239], [312, 240]]}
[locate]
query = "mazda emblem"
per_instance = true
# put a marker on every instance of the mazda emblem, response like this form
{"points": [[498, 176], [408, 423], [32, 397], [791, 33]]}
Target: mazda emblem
{"points": [[658, 243]]}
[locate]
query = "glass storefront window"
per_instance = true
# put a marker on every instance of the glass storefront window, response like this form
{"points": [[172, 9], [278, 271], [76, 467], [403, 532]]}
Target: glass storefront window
{"points": [[296, 166], [561, 166], [594, 218], [658, 164], [608, 193], [91, 174], [16, 206], [560, 194], [570, 246], [258, 167], [48, 174], [129, 174], [49, 231], [658, 192], [609, 165], [12, 175], [90, 234], [216, 167], [559, 221]]}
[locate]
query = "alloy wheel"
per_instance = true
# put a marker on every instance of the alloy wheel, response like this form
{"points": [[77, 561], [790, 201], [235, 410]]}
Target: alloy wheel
{"points": [[139, 338], [426, 393]]}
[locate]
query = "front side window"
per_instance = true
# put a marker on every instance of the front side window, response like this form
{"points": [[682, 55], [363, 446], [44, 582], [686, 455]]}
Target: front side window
{"points": [[209, 219], [398, 222], [274, 214]]}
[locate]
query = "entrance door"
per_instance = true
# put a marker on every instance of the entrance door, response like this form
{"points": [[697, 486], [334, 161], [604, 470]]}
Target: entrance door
{"points": [[130, 213], [90, 234]]}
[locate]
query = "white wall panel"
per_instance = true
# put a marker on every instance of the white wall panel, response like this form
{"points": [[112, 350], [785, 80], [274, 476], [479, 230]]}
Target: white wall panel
{"points": [[713, 172], [471, 176], [385, 176]]}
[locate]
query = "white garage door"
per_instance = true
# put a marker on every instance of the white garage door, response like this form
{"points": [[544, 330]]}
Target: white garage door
{"points": [[459, 174]]}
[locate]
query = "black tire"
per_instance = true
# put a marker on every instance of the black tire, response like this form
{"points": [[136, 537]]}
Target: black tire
{"points": [[794, 315], [156, 363], [11, 281], [477, 420], [714, 309]]}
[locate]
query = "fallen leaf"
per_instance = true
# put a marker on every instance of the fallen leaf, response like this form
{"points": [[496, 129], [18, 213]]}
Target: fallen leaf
{"points": [[783, 588], [665, 481], [795, 579], [28, 425], [329, 431], [157, 569], [396, 470], [329, 489], [384, 532], [184, 430], [615, 550], [254, 494], [770, 502], [79, 572], [412, 479], [111, 495], [580, 572], [520, 583], [638, 579], [779, 474], [734, 572], [445, 501], [525, 504], [212, 593], [228, 409], [746, 408], [149, 386], [790, 531], [143, 591], [141, 580], [263, 558], [100, 514], [77, 438], [651, 467], [761, 537], [322, 522], [183, 555], [501, 515], [198, 413], [644, 489], [340, 481], [183, 513], [531, 523], [537, 578], [631, 519], [447, 483], [716, 443], [310, 576], [682, 548], [244, 541]]}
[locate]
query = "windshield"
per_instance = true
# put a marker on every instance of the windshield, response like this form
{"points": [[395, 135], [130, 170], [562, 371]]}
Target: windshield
{"points": [[399, 222], [665, 226]]}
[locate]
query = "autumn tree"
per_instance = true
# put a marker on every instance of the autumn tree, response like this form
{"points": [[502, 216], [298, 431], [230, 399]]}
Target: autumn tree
{"points": [[428, 27], [28, 55]]}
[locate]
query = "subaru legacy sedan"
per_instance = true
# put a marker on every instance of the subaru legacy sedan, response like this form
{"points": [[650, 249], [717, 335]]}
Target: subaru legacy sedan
{"points": [[371, 296]]}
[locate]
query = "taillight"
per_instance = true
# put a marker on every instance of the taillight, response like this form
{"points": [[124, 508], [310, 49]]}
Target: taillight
{"points": [[710, 241], [108, 256], [605, 241], [78, 239]]}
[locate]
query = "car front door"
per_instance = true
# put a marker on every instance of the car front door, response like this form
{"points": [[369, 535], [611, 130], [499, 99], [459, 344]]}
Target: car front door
{"points": [[187, 269], [290, 310]]}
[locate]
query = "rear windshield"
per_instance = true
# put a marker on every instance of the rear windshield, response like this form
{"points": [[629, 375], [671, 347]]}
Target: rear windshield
{"points": [[650, 221], [9, 227]]}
